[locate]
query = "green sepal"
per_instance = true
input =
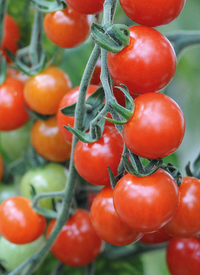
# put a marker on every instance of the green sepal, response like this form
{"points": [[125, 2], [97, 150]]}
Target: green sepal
{"points": [[115, 121], [129, 100], [46, 6], [129, 167], [33, 191], [37, 116], [112, 178], [188, 170], [121, 110], [69, 110], [173, 171], [112, 38], [3, 69], [46, 212], [153, 166], [84, 137], [196, 166]]}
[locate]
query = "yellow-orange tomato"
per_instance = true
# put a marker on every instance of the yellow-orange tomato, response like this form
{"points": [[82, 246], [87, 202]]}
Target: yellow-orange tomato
{"points": [[1, 167], [44, 91], [48, 141]]}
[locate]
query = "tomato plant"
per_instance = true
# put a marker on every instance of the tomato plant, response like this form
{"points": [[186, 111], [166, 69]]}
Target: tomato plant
{"points": [[156, 128], [145, 70], [19, 223], [75, 251], [67, 28], [88, 6], [12, 105], [48, 141]]}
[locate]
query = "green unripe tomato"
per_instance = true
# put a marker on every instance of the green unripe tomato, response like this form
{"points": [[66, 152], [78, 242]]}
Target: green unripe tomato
{"points": [[12, 255], [51, 177]]}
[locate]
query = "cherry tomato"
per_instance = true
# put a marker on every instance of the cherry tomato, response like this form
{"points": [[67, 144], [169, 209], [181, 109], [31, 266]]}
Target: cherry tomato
{"points": [[147, 64], [156, 128], [185, 222], [92, 159], [44, 91], [49, 178], [77, 244], [1, 167], [48, 141], [146, 204], [12, 255], [183, 256], [70, 98], [87, 6], [106, 222], [11, 35], [152, 13], [67, 28], [12, 105], [157, 237], [19, 223]]}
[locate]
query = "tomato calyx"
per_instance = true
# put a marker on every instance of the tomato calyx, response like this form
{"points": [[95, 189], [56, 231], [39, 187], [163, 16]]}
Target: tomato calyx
{"points": [[196, 168], [112, 38], [3, 67], [46, 6], [173, 171]]}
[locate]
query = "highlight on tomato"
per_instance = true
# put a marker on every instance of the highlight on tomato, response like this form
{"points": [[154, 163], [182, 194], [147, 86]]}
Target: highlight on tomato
{"points": [[19, 223], [12, 105], [107, 223], [146, 203], [77, 243], [147, 64], [48, 141], [67, 28], [92, 159], [87, 6], [156, 128], [44, 91]]}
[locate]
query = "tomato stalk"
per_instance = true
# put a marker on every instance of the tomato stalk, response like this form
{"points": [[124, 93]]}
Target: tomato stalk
{"points": [[3, 64]]}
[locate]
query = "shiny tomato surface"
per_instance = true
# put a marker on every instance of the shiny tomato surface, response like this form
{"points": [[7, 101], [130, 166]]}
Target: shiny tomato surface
{"points": [[157, 237], [147, 64], [146, 204], [87, 6]]}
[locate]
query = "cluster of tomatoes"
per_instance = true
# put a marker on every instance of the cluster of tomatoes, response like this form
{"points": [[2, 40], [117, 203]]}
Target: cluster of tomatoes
{"points": [[151, 208]]}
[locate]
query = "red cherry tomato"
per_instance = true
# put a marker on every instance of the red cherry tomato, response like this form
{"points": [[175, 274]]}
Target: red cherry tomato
{"points": [[183, 256], [11, 35], [106, 222], [92, 159], [19, 223], [147, 64], [48, 141], [77, 244], [156, 128], [157, 237], [152, 13], [146, 204], [87, 6], [44, 91], [12, 112], [185, 222], [67, 28], [70, 98]]}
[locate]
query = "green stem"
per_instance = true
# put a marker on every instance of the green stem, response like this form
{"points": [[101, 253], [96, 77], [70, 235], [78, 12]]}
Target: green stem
{"points": [[41, 196], [3, 10]]}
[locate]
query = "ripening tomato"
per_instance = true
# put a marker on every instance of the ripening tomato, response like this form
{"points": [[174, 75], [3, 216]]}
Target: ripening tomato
{"points": [[77, 243], [186, 220], [152, 13], [44, 91], [12, 105], [106, 222], [11, 35], [19, 223], [147, 203], [48, 141], [183, 256], [87, 6], [157, 237], [67, 28], [92, 159], [1, 167], [147, 64], [156, 128], [70, 98]]}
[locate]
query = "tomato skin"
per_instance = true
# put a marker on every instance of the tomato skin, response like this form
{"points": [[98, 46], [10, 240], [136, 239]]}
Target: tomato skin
{"points": [[157, 237], [48, 141], [92, 159], [44, 91], [70, 98], [107, 223], [152, 13], [156, 128], [185, 222], [183, 256], [67, 28], [146, 204], [11, 35], [87, 6], [149, 61], [19, 223], [12, 105], [77, 243]]}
